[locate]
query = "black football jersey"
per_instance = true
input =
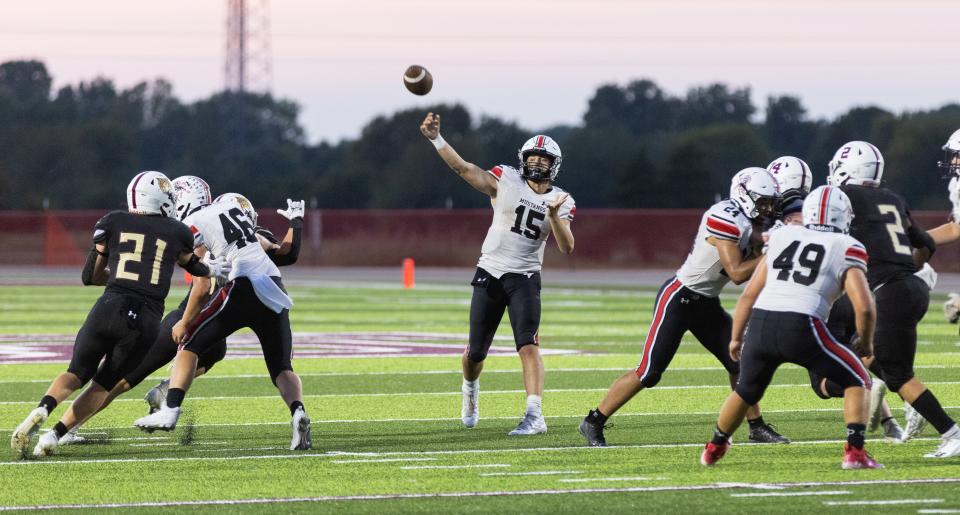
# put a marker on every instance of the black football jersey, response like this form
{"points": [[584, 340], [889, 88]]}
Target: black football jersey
{"points": [[142, 251], [882, 222]]}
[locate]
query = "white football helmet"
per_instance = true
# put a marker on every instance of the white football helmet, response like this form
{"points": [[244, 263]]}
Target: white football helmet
{"points": [[755, 191], [151, 193], [544, 146], [245, 205], [951, 150], [791, 173], [191, 194], [856, 162], [827, 208]]}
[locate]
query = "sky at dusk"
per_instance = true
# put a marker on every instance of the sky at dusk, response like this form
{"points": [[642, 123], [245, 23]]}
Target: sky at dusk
{"points": [[536, 62]]}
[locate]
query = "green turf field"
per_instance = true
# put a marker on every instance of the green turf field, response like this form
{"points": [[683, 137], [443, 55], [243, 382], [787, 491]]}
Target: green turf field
{"points": [[387, 435]]}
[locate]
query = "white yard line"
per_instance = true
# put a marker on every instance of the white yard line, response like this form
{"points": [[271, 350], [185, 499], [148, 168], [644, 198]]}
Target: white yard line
{"points": [[601, 479], [791, 494], [534, 473], [476, 466], [445, 495], [384, 460], [882, 503]]}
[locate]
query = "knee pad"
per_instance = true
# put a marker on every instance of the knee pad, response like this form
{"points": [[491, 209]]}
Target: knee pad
{"points": [[653, 377], [749, 395], [835, 391], [476, 356], [896, 380], [107, 379], [815, 381], [212, 357], [83, 375], [275, 373], [529, 342]]}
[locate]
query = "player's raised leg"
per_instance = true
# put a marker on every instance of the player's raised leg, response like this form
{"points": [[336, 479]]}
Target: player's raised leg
{"points": [[487, 305]]}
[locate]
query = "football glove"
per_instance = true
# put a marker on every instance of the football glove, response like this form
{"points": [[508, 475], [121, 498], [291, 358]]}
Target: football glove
{"points": [[219, 267], [951, 311], [294, 209]]}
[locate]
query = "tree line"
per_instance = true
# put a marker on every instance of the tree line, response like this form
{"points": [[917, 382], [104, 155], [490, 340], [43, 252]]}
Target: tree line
{"points": [[637, 146]]}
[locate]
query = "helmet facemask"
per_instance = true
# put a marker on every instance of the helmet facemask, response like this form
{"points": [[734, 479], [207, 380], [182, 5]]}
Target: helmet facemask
{"points": [[950, 166], [538, 170]]}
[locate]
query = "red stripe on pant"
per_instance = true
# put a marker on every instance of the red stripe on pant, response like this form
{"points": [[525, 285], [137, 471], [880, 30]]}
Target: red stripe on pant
{"points": [[212, 308], [842, 352], [658, 314]]}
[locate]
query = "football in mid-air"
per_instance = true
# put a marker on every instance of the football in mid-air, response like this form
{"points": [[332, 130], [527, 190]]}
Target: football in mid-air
{"points": [[417, 80]]}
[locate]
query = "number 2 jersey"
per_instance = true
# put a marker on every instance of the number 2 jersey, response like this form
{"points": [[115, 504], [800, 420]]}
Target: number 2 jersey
{"points": [[517, 237], [142, 251], [702, 272], [224, 229], [805, 269], [882, 221]]}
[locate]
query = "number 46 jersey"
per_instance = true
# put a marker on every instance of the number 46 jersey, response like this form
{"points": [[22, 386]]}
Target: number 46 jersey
{"points": [[805, 269], [518, 234], [224, 229]]}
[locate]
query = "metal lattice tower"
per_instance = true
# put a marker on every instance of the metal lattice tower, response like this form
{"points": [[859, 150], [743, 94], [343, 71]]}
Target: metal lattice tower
{"points": [[247, 66]]}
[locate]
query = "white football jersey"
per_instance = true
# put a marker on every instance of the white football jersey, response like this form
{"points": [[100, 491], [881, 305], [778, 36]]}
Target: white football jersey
{"points": [[805, 270], [518, 234], [702, 271], [225, 231]]}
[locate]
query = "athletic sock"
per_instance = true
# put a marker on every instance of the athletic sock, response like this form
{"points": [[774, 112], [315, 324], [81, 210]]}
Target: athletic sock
{"points": [[856, 434], [60, 429], [929, 407], [471, 385], [295, 405], [175, 397], [534, 405], [49, 403], [755, 423], [719, 437], [597, 418]]}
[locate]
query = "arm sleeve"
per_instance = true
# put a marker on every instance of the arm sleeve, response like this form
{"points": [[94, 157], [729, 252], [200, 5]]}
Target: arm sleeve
{"points": [[290, 257], [920, 239], [196, 267], [86, 276]]}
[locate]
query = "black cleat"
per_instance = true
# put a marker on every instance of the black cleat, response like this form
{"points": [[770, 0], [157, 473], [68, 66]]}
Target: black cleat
{"points": [[593, 433], [766, 433]]}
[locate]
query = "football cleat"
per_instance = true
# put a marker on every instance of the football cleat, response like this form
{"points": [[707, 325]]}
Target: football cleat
{"points": [[47, 444], [858, 459], [72, 438], [915, 422], [157, 396], [712, 453], [24, 433], [877, 392], [949, 448], [301, 439], [766, 433], [470, 410], [951, 308], [530, 425], [165, 419], [892, 431], [593, 433]]}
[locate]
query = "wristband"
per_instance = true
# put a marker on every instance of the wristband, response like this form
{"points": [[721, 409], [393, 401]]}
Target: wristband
{"points": [[438, 143]]}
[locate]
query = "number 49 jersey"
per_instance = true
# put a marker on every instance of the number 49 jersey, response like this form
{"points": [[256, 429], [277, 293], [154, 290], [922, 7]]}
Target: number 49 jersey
{"points": [[224, 229], [518, 234], [805, 269]]}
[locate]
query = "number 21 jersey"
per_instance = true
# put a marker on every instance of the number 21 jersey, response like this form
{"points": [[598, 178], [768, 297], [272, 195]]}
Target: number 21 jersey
{"points": [[142, 251], [516, 239]]}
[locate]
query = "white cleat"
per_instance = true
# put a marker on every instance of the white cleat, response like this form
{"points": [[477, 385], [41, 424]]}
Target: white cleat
{"points": [[876, 404], [949, 448], [21, 437], [72, 438], [157, 396], [47, 445], [892, 431], [300, 424], [530, 425], [915, 423], [470, 410], [164, 420]]}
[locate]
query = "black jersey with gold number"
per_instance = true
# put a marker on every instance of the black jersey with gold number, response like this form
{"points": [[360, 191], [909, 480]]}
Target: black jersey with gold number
{"points": [[882, 222], [142, 251]]}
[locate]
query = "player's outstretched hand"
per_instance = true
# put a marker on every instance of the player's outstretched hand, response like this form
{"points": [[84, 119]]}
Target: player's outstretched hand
{"points": [[294, 209], [554, 206], [735, 346], [431, 126]]}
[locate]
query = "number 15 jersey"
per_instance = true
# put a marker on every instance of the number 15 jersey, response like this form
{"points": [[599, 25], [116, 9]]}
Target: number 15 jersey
{"points": [[805, 269], [518, 234], [224, 229]]}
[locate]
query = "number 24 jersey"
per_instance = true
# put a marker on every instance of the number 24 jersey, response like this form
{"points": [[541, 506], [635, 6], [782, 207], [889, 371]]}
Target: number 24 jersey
{"points": [[516, 239], [805, 269]]}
